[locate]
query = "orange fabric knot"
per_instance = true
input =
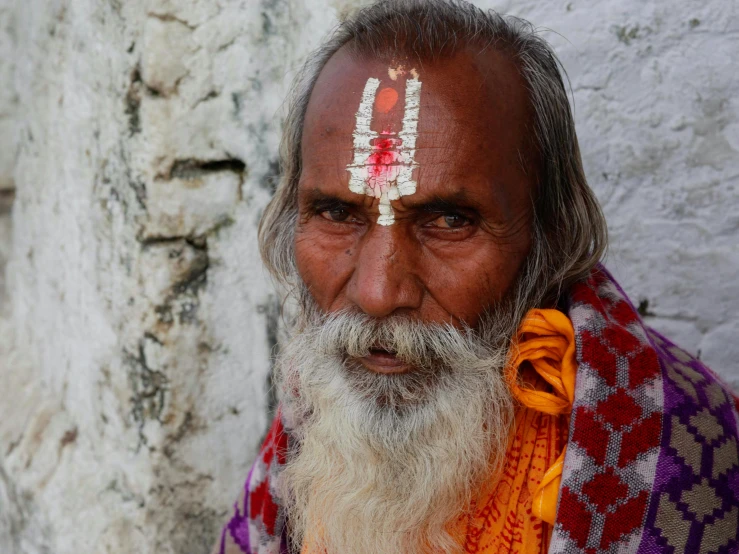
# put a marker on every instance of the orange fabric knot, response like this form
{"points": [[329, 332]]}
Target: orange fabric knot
{"points": [[546, 340], [513, 514]]}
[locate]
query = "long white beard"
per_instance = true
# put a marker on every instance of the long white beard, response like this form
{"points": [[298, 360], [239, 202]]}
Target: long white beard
{"points": [[385, 464]]}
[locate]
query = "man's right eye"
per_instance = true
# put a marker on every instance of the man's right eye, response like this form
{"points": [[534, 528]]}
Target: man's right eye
{"points": [[335, 214]]}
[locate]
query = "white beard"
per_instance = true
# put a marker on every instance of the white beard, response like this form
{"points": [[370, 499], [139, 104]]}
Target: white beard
{"points": [[387, 463]]}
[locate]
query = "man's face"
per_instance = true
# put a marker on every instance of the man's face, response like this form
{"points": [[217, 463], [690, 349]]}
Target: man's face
{"points": [[457, 242]]}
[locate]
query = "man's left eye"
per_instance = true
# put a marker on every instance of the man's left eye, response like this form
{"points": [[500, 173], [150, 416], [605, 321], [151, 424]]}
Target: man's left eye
{"points": [[451, 221], [336, 214]]}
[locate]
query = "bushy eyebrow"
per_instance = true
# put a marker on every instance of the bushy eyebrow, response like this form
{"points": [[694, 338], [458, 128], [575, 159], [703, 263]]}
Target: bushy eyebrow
{"points": [[456, 202], [317, 200]]}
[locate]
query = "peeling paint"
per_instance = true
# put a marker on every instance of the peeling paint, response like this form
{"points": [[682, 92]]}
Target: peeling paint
{"points": [[149, 388]]}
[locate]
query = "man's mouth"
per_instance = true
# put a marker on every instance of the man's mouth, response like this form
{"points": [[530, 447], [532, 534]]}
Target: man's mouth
{"points": [[384, 361]]}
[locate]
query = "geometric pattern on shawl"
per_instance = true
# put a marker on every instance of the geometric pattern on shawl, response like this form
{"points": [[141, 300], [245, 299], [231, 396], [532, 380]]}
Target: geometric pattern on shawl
{"points": [[651, 464], [694, 506], [257, 525]]}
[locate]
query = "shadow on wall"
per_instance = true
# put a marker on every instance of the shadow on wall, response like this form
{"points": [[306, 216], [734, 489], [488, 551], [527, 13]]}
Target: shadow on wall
{"points": [[7, 195]]}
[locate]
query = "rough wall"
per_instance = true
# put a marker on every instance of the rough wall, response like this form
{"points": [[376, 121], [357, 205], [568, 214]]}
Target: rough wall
{"points": [[135, 390], [658, 122], [8, 114], [140, 139]]}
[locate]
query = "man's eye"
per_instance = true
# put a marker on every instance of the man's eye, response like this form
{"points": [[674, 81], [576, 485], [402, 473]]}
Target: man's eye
{"points": [[335, 214], [450, 221]]}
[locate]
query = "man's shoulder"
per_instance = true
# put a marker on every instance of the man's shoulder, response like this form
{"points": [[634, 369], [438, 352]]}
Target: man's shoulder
{"points": [[653, 435]]}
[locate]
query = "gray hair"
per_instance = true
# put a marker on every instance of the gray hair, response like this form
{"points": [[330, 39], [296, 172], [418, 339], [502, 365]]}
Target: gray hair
{"points": [[569, 230]]}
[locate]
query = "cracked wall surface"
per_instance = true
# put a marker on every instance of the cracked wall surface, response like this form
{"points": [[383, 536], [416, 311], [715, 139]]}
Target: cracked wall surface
{"points": [[138, 145]]}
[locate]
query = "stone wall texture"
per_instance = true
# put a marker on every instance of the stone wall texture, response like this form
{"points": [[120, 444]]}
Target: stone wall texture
{"points": [[138, 145]]}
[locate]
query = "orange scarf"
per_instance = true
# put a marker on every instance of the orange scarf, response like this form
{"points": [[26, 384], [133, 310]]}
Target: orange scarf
{"points": [[514, 515]]}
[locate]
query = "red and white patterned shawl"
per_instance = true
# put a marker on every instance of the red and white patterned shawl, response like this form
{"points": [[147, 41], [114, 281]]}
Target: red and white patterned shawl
{"points": [[651, 464]]}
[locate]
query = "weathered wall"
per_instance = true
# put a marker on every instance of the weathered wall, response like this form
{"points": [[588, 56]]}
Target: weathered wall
{"points": [[134, 393], [140, 138], [658, 122], [8, 113]]}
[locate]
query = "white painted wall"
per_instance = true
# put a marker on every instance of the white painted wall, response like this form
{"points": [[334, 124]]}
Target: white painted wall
{"points": [[140, 138]]}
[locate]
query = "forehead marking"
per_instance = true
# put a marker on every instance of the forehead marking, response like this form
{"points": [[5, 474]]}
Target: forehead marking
{"points": [[386, 100], [383, 164]]}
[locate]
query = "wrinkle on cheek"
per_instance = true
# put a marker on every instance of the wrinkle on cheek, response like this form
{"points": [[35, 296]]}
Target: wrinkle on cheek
{"points": [[309, 246], [462, 298], [514, 232], [469, 277], [301, 233], [324, 263]]}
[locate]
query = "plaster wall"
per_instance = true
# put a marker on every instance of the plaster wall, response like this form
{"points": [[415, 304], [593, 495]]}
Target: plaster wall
{"points": [[138, 140]]}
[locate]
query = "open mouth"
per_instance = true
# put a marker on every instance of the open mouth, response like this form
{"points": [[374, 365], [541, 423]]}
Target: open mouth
{"points": [[382, 360], [382, 352]]}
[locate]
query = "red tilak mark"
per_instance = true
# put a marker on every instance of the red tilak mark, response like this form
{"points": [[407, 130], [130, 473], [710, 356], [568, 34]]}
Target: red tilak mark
{"points": [[386, 143], [382, 158], [382, 169], [386, 99], [382, 164]]}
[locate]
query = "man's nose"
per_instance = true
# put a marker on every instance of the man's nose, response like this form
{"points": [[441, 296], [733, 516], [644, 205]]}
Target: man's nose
{"points": [[385, 278]]}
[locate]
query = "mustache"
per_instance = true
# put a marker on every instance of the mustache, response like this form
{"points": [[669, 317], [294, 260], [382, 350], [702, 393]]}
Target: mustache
{"points": [[426, 346]]}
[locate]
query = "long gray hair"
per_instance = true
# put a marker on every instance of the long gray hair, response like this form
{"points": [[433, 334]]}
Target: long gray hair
{"points": [[569, 230]]}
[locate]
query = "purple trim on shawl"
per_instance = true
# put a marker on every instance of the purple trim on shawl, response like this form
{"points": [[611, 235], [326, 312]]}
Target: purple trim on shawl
{"points": [[239, 529], [238, 525], [677, 471]]}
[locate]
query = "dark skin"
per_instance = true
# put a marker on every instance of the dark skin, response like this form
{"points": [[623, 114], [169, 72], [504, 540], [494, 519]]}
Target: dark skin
{"points": [[458, 242]]}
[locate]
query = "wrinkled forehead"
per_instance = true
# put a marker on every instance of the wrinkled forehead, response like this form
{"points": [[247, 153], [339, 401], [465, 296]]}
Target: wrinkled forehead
{"points": [[470, 104]]}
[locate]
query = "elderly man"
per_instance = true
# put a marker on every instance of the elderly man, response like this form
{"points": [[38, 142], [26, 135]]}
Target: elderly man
{"points": [[463, 375]]}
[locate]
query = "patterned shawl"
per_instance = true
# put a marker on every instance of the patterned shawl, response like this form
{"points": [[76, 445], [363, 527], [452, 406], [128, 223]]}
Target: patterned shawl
{"points": [[651, 464]]}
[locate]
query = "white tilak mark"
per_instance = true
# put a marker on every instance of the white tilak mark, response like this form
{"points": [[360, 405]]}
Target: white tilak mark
{"points": [[406, 185], [363, 136], [387, 217]]}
